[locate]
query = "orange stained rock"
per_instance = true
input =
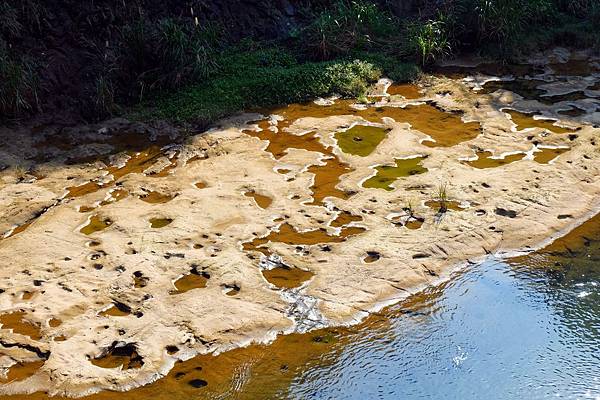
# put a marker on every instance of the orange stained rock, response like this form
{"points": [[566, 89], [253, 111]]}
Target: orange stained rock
{"points": [[414, 223], [18, 229], [115, 195], [116, 310]]}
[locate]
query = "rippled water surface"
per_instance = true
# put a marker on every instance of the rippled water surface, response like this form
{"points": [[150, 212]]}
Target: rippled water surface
{"points": [[496, 331]]}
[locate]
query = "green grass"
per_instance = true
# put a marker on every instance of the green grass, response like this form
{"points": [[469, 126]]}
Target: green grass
{"points": [[19, 86], [345, 26], [261, 78]]}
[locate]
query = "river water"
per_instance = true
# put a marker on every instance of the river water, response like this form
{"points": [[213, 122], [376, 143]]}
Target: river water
{"points": [[495, 331]]}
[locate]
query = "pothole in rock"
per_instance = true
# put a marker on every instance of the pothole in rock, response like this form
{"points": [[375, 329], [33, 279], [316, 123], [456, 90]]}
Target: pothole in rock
{"points": [[22, 370], [445, 129], [371, 257], [261, 200], [408, 220], [197, 383], [19, 324], [529, 90], [527, 121], [326, 179], [117, 309], [231, 289], [196, 279], [327, 173], [574, 67], [414, 223], [154, 197], [158, 223], [361, 140], [344, 218], [526, 88], [486, 160], [96, 223], [387, 174], [139, 280], [544, 155], [505, 213], [444, 205], [280, 141], [201, 185], [285, 277], [27, 295], [123, 355], [288, 235]]}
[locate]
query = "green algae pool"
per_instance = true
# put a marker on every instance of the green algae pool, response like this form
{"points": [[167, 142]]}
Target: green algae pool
{"points": [[361, 140], [388, 174]]}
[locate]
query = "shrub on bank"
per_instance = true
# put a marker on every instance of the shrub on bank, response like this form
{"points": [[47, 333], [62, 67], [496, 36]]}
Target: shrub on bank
{"points": [[263, 87], [19, 86]]}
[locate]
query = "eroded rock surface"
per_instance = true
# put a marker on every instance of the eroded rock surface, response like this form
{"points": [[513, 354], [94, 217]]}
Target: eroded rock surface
{"points": [[131, 297]]}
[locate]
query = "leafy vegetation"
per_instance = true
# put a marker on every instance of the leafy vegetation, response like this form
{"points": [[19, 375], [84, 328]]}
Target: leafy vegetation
{"points": [[348, 25], [429, 40], [132, 54], [248, 84], [18, 84]]}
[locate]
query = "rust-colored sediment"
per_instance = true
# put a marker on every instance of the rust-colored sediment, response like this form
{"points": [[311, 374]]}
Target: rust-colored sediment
{"points": [[261, 200], [287, 278], [484, 160], [17, 321], [527, 121], [193, 280], [288, 235]]}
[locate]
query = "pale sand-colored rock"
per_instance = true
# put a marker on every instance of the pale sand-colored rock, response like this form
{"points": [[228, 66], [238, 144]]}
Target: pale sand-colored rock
{"points": [[211, 224]]}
